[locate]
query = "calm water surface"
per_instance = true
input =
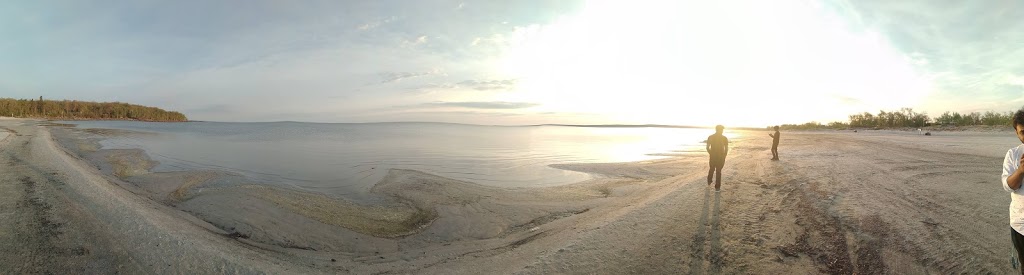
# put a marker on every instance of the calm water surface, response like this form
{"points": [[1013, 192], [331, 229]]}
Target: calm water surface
{"points": [[347, 158]]}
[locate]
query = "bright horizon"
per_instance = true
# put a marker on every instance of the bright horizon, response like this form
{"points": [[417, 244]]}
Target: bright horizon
{"points": [[698, 63]]}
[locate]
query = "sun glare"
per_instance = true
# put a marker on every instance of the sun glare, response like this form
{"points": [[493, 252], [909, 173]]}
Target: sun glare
{"points": [[742, 63]]}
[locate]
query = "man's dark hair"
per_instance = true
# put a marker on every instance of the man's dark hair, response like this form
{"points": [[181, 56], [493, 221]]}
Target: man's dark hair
{"points": [[1018, 118]]}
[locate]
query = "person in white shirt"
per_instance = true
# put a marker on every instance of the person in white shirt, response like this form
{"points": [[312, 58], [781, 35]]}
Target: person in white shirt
{"points": [[1012, 178]]}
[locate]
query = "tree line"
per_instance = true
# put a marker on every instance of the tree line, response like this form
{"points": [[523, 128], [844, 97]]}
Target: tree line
{"points": [[73, 109], [907, 117]]}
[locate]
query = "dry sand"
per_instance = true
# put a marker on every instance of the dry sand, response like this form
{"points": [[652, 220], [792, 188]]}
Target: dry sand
{"points": [[871, 202]]}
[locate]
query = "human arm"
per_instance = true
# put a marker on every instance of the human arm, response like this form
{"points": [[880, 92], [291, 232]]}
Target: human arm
{"points": [[1012, 174], [707, 145], [771, 135], [725, 145]]}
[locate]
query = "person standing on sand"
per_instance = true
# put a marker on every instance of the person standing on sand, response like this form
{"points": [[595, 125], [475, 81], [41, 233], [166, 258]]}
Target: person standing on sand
{"points": [[775, 144], [1013, 175], [718, 148]]}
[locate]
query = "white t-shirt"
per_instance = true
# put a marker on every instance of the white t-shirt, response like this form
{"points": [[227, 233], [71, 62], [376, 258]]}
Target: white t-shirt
{"points": [[1010, 165]]}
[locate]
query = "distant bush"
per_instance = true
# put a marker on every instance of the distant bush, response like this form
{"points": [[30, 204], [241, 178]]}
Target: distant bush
{"points": [[975, 118], [907, 117], [813, 125]]}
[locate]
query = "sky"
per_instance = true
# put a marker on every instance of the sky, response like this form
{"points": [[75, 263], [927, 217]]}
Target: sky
{"points": [[731, 62]]}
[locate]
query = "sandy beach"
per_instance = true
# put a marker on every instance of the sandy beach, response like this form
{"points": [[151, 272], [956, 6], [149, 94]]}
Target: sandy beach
{"points": [[838, 202]]}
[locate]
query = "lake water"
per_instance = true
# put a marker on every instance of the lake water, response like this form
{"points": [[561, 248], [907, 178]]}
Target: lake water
{"points": [[341, 158]]}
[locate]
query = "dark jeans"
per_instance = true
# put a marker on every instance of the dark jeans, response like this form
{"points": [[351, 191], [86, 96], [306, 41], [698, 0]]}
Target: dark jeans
{"points": [[716, 163], [1018, 246]]}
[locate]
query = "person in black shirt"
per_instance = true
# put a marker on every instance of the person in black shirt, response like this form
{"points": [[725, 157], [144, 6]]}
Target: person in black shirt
{"points": [[718, 148]]}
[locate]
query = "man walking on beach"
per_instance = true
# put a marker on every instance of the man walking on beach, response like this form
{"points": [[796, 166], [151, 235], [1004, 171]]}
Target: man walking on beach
{"points": [[718, 148], [1012, 177], [775, 144]]}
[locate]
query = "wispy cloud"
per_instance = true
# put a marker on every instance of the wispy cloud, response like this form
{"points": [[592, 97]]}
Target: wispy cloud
{"points": [[477, 85], [419, 40], [388, 77], [375, 23], [482, 104], [485, 85], [848, 100]]}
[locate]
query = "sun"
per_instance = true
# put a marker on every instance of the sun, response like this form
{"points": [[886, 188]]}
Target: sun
{"points": [[707, 62]]}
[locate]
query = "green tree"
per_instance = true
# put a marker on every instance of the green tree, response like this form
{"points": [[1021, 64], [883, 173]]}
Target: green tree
{"points": [[64, 109]]}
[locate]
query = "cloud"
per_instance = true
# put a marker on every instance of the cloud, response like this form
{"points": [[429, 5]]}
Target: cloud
{"points": [[485, 85], [432, 87], [848, 100], [466, 113], [388, 77], [479, 85], [375, 24], [420, 40], [483, 104]]}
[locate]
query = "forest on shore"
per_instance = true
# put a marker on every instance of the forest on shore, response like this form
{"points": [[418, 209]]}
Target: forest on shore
{"points": [[79, 110], [908, 118]]}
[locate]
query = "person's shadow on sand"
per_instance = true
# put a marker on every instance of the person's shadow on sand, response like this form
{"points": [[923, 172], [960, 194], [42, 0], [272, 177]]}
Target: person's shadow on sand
{"points": [[714, 255]]}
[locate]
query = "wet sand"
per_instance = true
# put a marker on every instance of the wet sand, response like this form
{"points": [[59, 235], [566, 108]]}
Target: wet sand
{"points": [[838, 202], [61, 216]]}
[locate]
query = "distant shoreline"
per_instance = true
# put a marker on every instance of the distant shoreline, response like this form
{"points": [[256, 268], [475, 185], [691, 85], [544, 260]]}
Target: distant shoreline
{"points": [[108, 119], [96, 119]]}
